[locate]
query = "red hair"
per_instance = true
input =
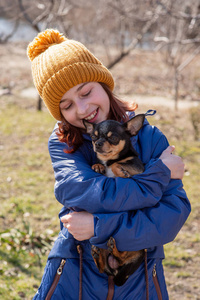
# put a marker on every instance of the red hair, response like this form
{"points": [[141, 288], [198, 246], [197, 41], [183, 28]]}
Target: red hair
{"points": [[72, 135]]}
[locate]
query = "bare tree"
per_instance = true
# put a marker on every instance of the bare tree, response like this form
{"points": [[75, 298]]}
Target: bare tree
{"points": [[118, 26], [178, 35], [144, 21]]}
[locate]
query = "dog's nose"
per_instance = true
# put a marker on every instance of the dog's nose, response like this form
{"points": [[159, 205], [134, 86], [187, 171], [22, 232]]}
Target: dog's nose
{"points": [[99, 144]]}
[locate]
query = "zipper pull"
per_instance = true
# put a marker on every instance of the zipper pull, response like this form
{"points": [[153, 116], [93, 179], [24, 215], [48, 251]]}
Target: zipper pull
{"points": [[154, 271], [60, 268]]}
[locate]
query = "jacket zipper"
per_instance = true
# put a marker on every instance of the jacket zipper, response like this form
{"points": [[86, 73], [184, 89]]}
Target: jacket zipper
{"points": [[156, 283], [56, 279]]}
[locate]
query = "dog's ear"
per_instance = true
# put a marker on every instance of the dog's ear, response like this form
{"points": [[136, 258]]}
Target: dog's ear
{"points": [[89, 126], [135, 124]]}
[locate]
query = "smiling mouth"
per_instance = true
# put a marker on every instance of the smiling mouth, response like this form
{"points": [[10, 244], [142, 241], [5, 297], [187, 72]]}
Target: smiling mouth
{"points": [[92, 116]]}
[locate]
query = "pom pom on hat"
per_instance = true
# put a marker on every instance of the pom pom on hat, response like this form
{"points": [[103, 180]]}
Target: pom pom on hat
{"points": [[59, 64], [43, 41]]}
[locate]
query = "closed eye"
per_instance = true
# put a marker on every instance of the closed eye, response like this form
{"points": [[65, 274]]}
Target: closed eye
{"points": [[87, 94], [114, 139], [67, 107]]}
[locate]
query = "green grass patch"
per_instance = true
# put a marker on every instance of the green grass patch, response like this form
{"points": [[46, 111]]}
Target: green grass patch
{"points": [[183, 275], [28, 216]]}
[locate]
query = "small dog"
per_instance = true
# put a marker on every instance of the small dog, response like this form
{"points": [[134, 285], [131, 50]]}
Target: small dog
{"points": [[117, 158]]}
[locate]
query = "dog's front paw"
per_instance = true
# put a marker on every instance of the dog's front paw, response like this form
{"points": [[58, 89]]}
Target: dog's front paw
{"points": [[125, 173], [99, 168], [111, 244], [99, 257], [112, 248], [95, 252], [120, 171]]}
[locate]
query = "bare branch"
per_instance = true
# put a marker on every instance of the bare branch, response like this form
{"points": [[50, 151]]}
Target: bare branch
{"points": [[136, 40], [189, 59], [180, 15], [3, 38], [26, 16], [166, 41], [44, 14], [62, 10], [129, 13]]}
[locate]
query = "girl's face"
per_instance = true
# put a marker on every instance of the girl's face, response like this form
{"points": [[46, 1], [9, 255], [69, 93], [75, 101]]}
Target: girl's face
{"points": [[85, 101]]}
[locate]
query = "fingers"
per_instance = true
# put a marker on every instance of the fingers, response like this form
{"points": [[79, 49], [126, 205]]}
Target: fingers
{"points": [[166, 153], [169, 149], [65, 218], [79, 224]]}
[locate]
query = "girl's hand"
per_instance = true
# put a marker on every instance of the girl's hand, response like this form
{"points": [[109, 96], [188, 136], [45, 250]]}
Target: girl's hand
{"points": [[173, 162], [79, 224]]}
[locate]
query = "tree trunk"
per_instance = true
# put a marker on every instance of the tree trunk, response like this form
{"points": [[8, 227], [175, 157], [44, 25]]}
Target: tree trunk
{"points": [[176, 88], [39, 106]]}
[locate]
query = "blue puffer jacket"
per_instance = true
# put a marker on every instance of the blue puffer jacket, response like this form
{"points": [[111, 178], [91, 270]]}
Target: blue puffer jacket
{"points": [[145, 211]]}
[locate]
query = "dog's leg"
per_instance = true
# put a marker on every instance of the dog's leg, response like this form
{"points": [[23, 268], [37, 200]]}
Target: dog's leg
{"points": [[128, 167], [114, 251], [99, 255], [123, 257], [120, 171]]}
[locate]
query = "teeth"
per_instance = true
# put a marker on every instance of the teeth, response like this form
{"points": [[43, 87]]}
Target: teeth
{"points": [[91, 116]]}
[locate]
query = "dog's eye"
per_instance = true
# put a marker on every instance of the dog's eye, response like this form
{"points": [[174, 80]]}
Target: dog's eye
{"points": [[114, 139], [94, 137]]}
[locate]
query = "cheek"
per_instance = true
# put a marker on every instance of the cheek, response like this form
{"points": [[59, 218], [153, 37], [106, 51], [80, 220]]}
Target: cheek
{"points": [[70, 117], [66, 115], [120, 146], [105, 104], [108, 107]]}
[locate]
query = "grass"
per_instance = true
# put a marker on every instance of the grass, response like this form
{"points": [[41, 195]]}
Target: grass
{"points": [[28, 217], [29, 210]]}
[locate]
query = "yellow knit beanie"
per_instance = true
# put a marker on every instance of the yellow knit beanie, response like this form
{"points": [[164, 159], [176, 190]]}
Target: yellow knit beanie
{"points": [[59, 64]]}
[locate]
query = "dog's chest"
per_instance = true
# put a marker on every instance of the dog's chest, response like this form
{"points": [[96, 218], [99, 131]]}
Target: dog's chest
{"points": [[109, 172]]}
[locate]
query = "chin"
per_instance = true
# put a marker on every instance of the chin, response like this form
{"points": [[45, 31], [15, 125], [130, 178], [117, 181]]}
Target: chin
{"points": [[103, 118]]}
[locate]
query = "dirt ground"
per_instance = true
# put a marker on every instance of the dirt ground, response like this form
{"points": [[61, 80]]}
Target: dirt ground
{"points": [[149, 83]]}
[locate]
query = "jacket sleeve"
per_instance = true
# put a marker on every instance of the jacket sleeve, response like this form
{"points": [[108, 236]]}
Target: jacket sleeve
{"points": [[148, 227], [78, 187]]}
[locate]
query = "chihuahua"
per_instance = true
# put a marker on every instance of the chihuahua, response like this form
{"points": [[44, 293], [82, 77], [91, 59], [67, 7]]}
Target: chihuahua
{"points": [[116, 158]]}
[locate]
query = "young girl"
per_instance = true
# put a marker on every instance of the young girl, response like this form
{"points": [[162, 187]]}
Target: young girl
{"points": [[145, 211]]}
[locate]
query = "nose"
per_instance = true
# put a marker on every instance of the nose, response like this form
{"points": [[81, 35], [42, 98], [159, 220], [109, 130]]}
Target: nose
{"points": [[81, 107], [99, 143]]}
